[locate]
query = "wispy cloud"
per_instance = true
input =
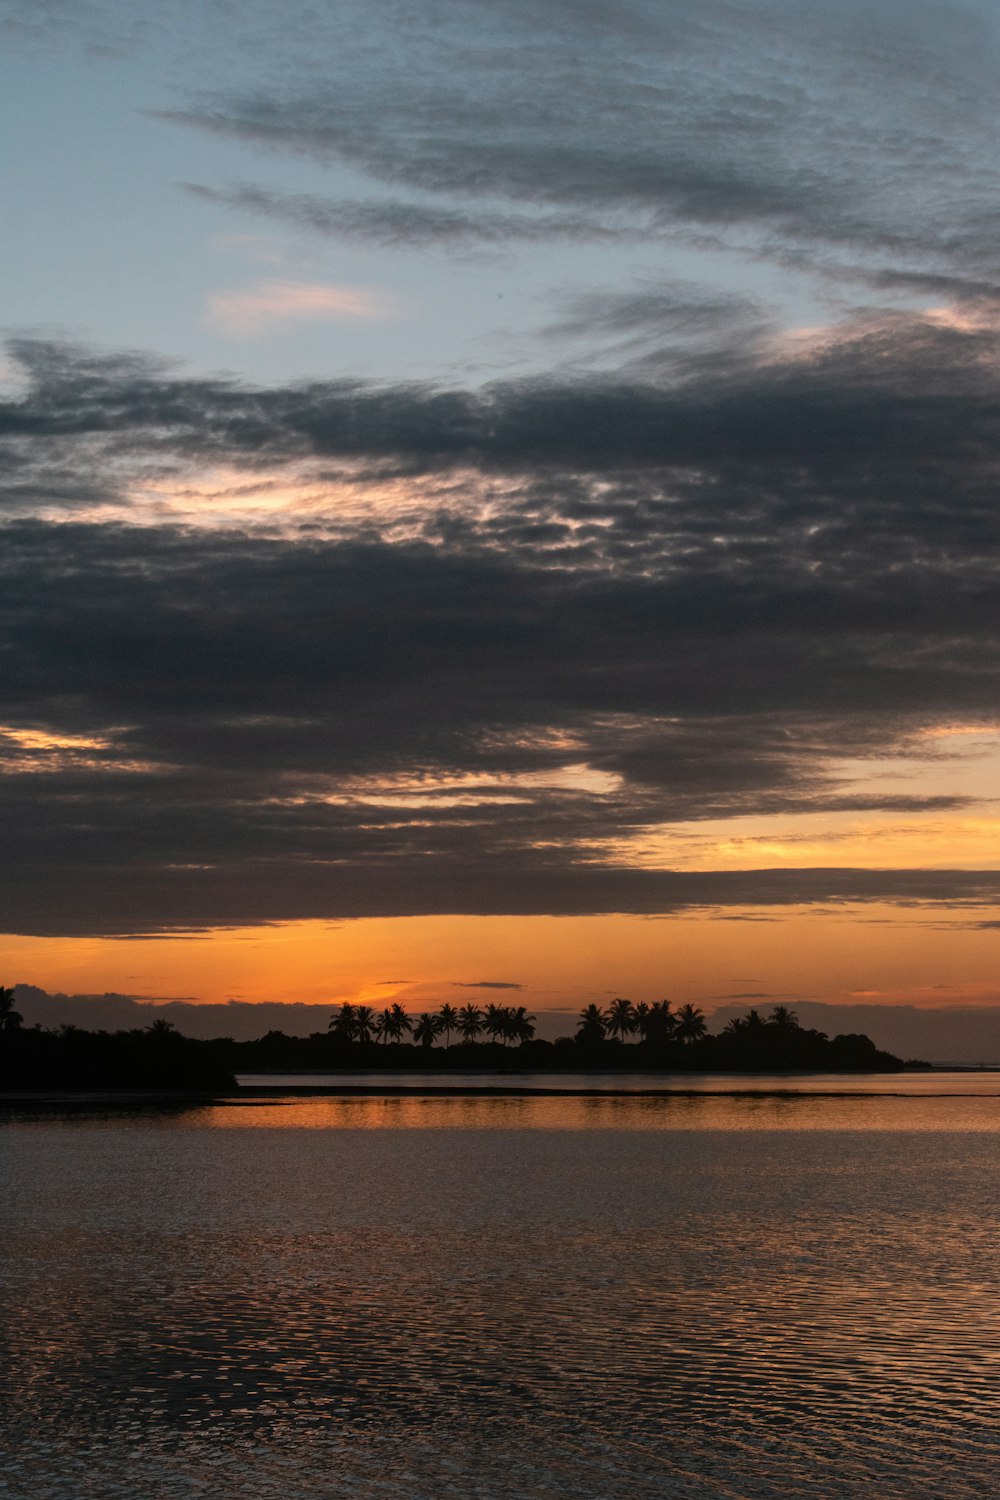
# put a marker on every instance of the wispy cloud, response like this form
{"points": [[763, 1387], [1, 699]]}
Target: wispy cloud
{"points": [[486, 984], [271, 306]]}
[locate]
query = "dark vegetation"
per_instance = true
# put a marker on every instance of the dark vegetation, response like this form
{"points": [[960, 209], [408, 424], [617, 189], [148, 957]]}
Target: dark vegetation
{"points": [[624, 1037], [148, 1059], [495, 1038]]}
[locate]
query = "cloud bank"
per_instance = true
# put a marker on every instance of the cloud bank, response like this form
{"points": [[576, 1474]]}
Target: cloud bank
{"points": [[344, 648], [635, 605]]}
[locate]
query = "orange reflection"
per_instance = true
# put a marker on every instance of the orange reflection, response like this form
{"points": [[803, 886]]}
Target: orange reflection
{"points": [[754, 1108]]}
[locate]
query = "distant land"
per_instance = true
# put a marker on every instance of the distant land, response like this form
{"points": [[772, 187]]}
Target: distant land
{"points": [[621, 1037], [964, 1035]]}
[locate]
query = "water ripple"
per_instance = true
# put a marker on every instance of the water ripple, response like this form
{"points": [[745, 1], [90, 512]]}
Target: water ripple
{"points": [[489, 1311]]}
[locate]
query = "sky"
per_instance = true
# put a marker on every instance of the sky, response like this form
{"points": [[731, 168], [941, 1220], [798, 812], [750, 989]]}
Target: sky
{"points": [[501, 496]]}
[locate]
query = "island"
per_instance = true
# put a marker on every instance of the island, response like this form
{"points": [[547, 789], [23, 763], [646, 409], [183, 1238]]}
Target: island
{"points": [[624, 1037]]}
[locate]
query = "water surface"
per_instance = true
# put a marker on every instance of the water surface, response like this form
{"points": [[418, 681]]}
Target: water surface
{"points": [[512, 1296]]}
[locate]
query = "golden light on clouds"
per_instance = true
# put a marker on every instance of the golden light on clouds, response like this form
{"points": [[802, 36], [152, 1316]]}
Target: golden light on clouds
{"points": [[942, 765], [37, 751], [43, 740], [810, 840], [333, 499], [466, 788]]}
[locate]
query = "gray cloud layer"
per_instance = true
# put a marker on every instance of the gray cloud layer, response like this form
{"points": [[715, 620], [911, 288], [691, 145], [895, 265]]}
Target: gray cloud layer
{"points": [[399, 221], [706, 589], [787, 129], [705, 576]]}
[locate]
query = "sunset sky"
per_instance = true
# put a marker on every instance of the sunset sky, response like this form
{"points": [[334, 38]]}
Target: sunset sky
{"points": [[501, 496]]}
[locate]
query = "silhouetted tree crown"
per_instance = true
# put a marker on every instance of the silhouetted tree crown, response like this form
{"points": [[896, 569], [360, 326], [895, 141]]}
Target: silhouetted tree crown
{"points": [[10, 1019]]}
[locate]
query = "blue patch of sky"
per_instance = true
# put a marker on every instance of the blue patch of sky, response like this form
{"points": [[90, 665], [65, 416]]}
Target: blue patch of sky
{"points": [[104, 245]]}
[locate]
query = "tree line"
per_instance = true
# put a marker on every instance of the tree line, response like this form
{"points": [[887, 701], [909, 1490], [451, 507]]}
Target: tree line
{"points": [[499, 1023], [145, 1059], [621, 1036], [656, 1022]]}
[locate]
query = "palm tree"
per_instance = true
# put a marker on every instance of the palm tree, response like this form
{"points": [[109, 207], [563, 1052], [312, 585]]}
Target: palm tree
{"points": [[660, 1023], [593, 1024], [784, 1020], [162, 1027], [621, 1019], [398, 1022], [448, 1016], [495, 1020], [383, 1026], [522, 1026], [426, 1029], [364, 1022], [10, 1019], [470, 1022], [690, 1024], [343, 1023], [508, 1028]]}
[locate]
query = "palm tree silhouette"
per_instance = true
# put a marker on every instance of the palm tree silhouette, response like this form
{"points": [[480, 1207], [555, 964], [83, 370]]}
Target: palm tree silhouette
{"points": [[426, 1029], [494, 1020], [508, 1026], [660, 1024], [364, 1022], [521, 1025], [593, 1024], [383, 1026], [470, 1022], [10, 1019], [755, 1021], [399, 1023], [784, 1020], [402, 1023], [448, 1016], [343, 1023], [690, 1026], [621, 1019]]}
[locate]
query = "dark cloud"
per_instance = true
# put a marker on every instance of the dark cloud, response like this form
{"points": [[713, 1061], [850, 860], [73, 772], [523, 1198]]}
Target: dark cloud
{"points": [[659, 312], [750, 995], [691, 599], [92, 898], [669, 331], [398, 221], [683, 586], [897, 391], [487, 984]]}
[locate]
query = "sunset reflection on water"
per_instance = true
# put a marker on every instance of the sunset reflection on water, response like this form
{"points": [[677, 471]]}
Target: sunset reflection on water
{"points": [[573, 1297], [952, 1102]]}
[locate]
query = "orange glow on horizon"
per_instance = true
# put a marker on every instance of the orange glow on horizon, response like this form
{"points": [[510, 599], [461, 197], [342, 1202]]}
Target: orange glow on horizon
{"points": [[873, 954]]}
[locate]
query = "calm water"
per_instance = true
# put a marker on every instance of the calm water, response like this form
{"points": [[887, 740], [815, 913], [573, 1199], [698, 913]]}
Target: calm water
{"points": [[497, 1297], [972, 1081]]}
